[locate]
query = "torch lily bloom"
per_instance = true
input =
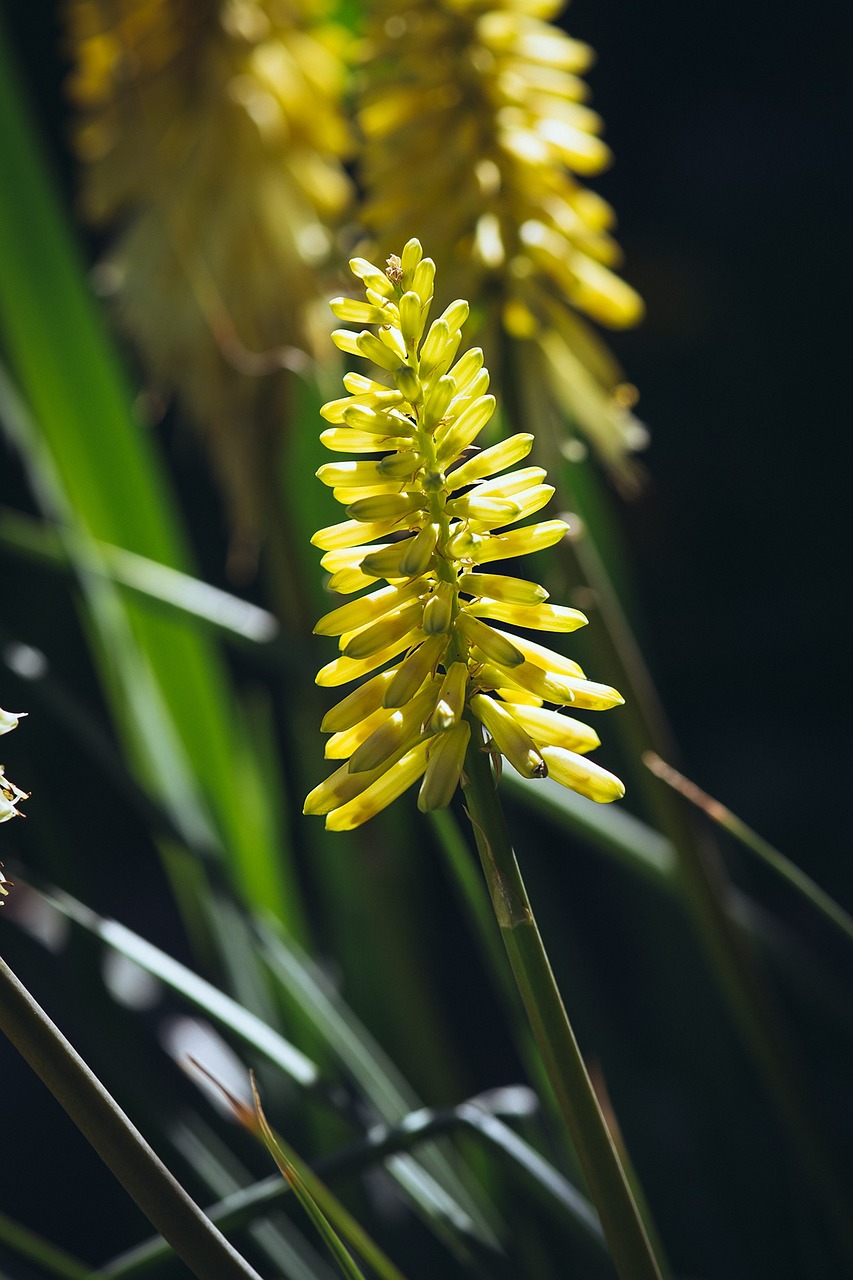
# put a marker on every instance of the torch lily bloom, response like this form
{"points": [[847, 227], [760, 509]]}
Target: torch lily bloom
{"points": [[427, 513]]}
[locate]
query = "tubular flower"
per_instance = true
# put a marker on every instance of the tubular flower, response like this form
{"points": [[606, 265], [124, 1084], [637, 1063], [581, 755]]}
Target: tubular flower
{"points": [[10, 795], [476, 130], [213, 132], [427, 514]]}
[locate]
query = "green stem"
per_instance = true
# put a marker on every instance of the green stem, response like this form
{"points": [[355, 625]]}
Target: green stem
{"points": [[159, 1195], [608, 1186]]}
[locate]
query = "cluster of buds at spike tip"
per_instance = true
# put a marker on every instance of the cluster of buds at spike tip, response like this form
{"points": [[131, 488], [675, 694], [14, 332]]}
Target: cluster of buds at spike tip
{"points": [[427, 511]]}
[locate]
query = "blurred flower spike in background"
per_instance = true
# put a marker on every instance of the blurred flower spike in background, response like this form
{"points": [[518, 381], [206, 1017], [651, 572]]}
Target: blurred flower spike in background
{"points": [[434, 503], [476, 130]]}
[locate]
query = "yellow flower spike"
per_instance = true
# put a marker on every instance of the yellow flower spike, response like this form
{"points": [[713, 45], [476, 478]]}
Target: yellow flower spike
{"points": [[176, 100], [444, 768], [510, 222], [511, 739], [426, 626]]}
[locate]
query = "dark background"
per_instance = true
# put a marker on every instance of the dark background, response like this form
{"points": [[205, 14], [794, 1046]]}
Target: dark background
{"points": [[730, 126]]}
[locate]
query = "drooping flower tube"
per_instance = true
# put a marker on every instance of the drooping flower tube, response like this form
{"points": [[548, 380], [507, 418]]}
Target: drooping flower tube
{"points": [[428, 513]]}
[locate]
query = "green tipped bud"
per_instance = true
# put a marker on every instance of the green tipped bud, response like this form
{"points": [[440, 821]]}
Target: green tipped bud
{"points": [[414, 670], [373, 278], [348, 475], [385, 561], [386, 506], [435, 345], [437, 402], [348, 440], [583, 776], [455, 315], [349, 533], [485, 511], [368, 345], [553, 729], [496, 586], [362, 418], [491, 460], [398, 732], [465, 545], [391, 783], [467, 368], [520, 542], [412, 317], [359, 613], [465, 429], [423, 279], [352, 311], [408, 383], [444, 768], [410, 257], [510, 738], [438, 610], [346, 340], [386, 631], [538, 617], [497, 647], [451, 698], [546, 658], [357, 705], [400, 466], [418, 552]]}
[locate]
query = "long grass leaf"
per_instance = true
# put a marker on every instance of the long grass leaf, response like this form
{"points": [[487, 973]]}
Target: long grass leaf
{"points": [[122, 1148], [111, 482]]}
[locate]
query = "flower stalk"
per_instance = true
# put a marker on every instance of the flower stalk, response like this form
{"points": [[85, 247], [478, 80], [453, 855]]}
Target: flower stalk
{"points": [[626, 1235]]}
